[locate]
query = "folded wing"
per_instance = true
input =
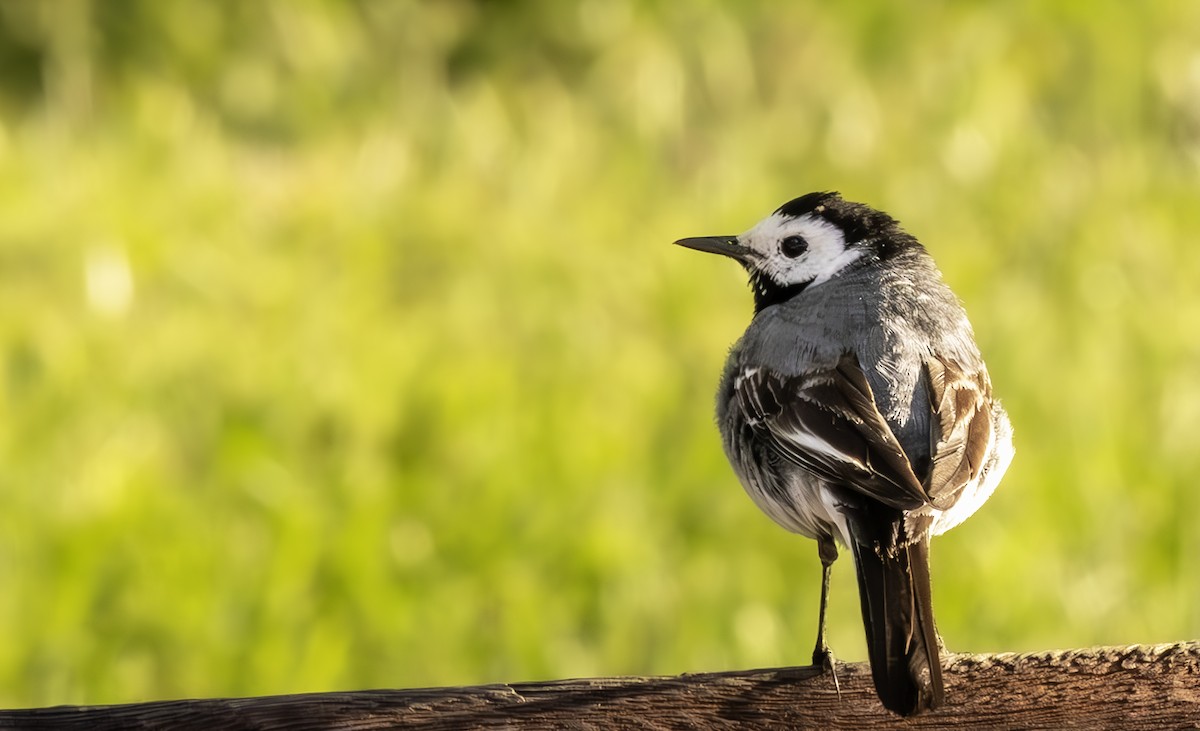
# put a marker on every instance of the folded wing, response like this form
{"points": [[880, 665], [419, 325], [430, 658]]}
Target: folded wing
{"points": [[827, 421]]}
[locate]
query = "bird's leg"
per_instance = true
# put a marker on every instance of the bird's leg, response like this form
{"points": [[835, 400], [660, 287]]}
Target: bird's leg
{"points": [[828, 552], [822, 657], [941, 643]]}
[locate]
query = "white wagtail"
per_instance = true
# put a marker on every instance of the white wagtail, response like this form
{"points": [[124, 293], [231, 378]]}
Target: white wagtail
{"points": [[856, 408]]}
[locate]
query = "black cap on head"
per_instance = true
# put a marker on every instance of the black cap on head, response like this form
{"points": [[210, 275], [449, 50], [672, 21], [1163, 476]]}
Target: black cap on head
{"points": [[857, 221], [809, 203]]}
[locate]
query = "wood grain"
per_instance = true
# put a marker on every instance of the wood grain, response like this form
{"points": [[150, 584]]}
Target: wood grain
{"points": [[1134, 687]]}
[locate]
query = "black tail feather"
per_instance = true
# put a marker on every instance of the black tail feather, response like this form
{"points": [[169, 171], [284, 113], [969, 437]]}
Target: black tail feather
{"points": [[893, 586]]}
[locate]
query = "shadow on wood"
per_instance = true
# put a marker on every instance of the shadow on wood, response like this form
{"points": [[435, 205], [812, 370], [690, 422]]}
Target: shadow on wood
{"points": [[1135, 687]]}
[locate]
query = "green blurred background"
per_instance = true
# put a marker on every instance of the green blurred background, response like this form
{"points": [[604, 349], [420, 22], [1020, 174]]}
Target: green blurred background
{"points": [[342, 344]]}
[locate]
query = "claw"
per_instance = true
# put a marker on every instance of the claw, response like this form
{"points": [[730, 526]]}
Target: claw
{"points": [[823, 658]]}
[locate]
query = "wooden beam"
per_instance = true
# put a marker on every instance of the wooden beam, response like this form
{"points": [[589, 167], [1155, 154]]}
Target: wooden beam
{"points": [[1135, 687]]}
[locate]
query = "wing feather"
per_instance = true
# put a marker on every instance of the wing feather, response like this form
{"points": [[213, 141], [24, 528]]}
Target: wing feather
{"points": [[828, 423], [960, 430]]}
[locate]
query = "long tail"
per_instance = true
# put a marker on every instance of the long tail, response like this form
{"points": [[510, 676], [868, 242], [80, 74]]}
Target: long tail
{"points": [[893, 585]]}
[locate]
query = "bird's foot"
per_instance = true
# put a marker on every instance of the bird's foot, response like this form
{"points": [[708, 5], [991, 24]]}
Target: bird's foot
{"points": [[823, 658]]}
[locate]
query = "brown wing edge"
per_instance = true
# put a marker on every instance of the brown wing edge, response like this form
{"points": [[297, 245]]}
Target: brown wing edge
{"points": [[960, 428]]}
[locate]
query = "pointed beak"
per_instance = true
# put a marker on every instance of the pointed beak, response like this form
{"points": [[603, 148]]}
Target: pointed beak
{"points": [[724, 245]]}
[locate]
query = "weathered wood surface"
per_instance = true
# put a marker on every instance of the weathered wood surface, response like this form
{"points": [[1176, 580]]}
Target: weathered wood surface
{"points": [[1135, 687]]}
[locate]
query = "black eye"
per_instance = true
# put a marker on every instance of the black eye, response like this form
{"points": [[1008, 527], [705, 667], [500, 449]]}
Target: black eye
{"points": [[793, 246]]}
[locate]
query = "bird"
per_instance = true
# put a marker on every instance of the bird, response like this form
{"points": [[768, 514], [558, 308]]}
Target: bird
{"points": [[856, 409]]}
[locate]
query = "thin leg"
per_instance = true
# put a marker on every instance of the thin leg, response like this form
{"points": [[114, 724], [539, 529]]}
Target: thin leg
{"points": [[821, 654], [941, 643], [821, 651]]}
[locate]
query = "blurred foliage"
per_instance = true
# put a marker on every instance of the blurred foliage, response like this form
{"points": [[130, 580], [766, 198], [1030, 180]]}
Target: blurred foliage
{"points": [[342, 344]]}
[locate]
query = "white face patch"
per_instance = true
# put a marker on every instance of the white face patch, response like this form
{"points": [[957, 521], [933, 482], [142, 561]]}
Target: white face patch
{"points": [[827, 253]]}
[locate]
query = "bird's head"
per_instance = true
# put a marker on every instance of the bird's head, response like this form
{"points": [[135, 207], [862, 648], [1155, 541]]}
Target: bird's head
{"points": [[805, 242]]}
